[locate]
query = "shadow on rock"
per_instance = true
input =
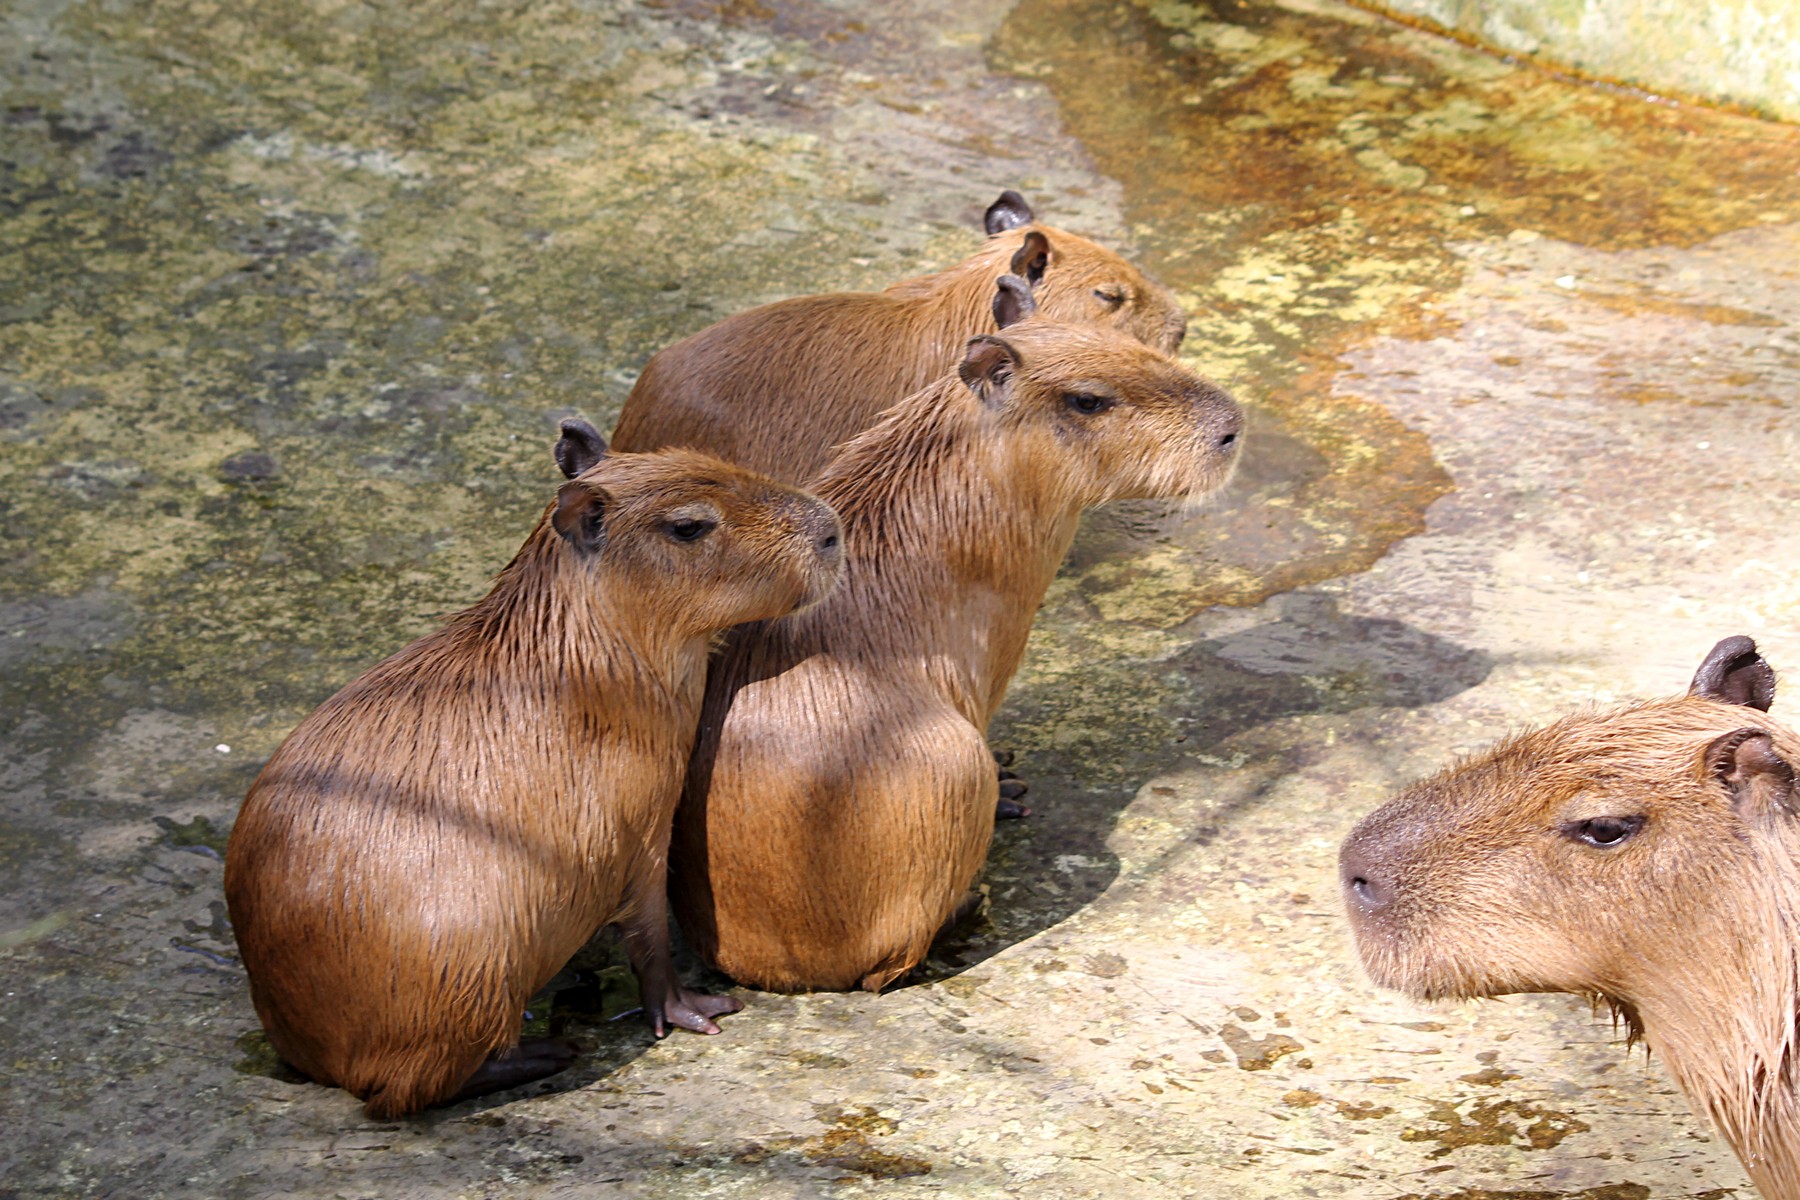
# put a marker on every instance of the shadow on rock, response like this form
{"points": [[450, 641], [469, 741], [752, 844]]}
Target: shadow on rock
{"points": [[1089, 743]]}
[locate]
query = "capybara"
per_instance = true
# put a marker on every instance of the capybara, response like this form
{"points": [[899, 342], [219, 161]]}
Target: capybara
{"points": [[841, 796], [434, 842], [776, 388], [1646, 857]]}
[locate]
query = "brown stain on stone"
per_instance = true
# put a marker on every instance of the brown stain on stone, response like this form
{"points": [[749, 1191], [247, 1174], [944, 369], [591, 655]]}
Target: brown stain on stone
{"points": [[1517, 1123], [1258, 1054], [847, 1145], [1635, 303], [1305, 181], [1361, 1110]]}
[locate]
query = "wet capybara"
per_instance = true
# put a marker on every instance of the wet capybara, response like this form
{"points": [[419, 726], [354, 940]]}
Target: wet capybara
{"points": [[776, 388], [1647, 857], [841, 796], [431, 845]]}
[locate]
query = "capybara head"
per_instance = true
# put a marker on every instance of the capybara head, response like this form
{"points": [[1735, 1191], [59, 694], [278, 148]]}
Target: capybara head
{"points": [[705, 544], [1119, 419], [1622, 854], [1080, 281]]}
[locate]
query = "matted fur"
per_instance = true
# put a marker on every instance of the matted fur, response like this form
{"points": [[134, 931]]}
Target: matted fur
{"points": [[841, 795], [778, 387], [1687, 931], [427, 848]]}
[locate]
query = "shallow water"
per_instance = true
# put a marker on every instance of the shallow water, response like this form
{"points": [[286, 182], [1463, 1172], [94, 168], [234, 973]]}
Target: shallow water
{"points": [[292, 298]]}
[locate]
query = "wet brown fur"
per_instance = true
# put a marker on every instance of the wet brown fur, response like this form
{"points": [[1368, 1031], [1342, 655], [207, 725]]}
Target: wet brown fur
{"points": [[842, 796], [435, 841], [778, 387], [1687, 930]]}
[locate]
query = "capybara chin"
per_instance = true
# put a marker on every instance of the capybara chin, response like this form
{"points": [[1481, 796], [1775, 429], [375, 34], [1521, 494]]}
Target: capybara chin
{"points": [[1646, 857], [431, 845], [842, 796], [776, 388]]}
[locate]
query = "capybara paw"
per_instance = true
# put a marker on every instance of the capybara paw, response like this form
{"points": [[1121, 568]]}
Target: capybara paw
{"points": [[545, 1051], [692, 1010], [1011, 788], [1002, 758], [532, 1058]]}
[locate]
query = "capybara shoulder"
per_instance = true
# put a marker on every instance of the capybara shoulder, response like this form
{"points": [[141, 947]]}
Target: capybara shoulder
{"points": [[429, 846]]}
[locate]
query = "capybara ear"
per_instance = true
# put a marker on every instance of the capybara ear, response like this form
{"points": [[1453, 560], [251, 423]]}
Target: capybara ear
{"points": [[987, 367], [1010, 211], [1736, 674], [1032, 256], [1013, 301], [579, 447], [581, 516], [1760, 780]]}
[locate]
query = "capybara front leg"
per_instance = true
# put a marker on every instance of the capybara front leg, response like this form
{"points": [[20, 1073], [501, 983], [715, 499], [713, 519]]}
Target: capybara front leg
{"points": [[666, 1001], [1008, 808], [532, 1058]]}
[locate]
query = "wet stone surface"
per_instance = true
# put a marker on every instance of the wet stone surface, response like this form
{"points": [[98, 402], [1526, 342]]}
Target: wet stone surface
{"points": [[292, 297]]}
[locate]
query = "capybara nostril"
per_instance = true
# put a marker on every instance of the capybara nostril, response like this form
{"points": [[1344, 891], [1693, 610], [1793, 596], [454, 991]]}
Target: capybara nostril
{"points": [[1364, 889], [1228, 439], [1368, 895], [821, 522]]}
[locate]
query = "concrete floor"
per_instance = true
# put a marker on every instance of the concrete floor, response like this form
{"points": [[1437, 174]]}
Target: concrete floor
{"points": [[291, 298]]}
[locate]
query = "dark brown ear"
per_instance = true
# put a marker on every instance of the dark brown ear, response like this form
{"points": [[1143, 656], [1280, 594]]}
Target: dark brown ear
{"points": [[1030, 259], [580, 516], [1736, 674], [1010, 211], [987, 367], [579, 447], [1761, 781], [1013, 301]]}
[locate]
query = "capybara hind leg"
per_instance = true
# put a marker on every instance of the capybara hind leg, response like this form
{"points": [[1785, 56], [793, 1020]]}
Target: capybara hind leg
{"points": [[972, 903], [888, 970], [532, 1058], [900, 962], [666, 1001], [1008, 808]]}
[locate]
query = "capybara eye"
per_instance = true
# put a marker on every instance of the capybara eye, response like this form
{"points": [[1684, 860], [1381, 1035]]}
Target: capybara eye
{"points": [[1112, 297], [1603, 833], [1086, 402], [691, 530]]}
